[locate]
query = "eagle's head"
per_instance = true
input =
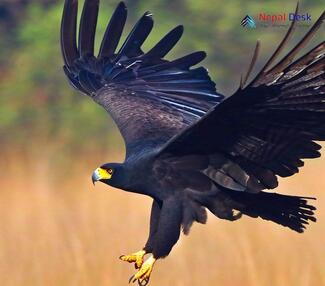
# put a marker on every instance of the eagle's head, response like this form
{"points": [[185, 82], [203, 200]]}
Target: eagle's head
{"points": [[112, 174]]}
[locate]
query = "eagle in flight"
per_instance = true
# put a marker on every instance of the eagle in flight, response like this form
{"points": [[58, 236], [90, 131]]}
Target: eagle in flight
{"points": [[187, 147]]}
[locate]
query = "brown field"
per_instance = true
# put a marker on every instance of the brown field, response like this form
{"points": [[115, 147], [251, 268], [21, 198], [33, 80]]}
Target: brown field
{"points": [[63, 231]]}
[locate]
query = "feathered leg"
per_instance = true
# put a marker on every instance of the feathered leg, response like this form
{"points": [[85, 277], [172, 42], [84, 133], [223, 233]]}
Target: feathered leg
{"points": [[154, 222], [163, 239]]}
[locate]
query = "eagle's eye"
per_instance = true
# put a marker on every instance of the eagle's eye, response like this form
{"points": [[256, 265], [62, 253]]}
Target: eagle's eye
{"points": [[110, 171]]}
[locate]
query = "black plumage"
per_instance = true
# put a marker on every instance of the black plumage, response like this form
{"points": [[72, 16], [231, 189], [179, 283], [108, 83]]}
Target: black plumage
{"points": [[186, 147]]}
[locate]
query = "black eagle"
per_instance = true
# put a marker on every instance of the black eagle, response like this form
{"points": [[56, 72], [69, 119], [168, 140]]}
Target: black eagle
{"points": [[187, 147]]}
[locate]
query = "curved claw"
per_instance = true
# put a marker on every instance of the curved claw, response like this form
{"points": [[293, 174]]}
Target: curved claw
{"points": [[131, 278], [143, 275], [142, 282]]}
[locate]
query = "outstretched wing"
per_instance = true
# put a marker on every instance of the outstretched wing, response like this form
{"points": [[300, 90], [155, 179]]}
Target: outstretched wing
{"points": [[268, 127], [150, 99]]}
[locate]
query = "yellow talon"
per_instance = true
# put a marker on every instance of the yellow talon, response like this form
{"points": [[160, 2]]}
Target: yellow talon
{"points": [[136, 257], [143, 275]]}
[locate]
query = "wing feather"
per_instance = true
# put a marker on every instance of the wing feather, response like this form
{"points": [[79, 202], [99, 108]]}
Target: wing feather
{"points": [[113, 32], [150, 99], [68, 33], [268, 127], [141, 30], [88, 23], [162, 48]]}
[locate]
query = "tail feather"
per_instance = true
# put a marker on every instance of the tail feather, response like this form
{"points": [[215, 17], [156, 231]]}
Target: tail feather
{"points": [[294, 212]]}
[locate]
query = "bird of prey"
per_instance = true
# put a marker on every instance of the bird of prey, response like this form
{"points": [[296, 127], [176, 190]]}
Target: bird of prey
{"points": [[187, 147]]}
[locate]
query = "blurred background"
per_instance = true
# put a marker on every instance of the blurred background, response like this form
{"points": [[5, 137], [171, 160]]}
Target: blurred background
{"points": [[57, 229]]}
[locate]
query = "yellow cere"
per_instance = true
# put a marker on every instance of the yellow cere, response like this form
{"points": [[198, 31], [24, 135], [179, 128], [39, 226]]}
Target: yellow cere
{"points": [[104, 174]]}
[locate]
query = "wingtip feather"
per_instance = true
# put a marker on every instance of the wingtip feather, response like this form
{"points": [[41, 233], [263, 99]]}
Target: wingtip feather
{"points": [[113, 31], [88, 23], [137, 36], [68, 32], [166, 44]]}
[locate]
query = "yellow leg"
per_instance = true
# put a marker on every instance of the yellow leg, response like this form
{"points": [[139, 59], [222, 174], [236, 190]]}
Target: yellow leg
{"points": [[136, 257], [143, 275]]}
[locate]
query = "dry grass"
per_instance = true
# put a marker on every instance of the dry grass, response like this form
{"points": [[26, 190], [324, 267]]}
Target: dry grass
{"points": [[65, 232]]}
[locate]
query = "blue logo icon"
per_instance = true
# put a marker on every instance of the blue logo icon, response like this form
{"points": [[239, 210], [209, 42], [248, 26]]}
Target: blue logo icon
{"points": [[248, 22]]}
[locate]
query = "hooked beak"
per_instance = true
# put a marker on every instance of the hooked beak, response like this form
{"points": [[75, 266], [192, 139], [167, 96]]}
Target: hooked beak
{"points": [[100, 174], [95, 177]]}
